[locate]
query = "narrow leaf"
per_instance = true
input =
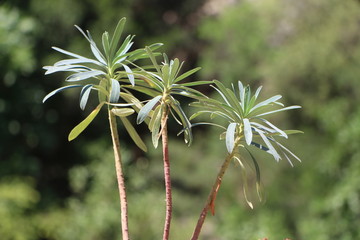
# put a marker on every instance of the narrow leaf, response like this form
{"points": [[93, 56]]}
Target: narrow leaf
{"points": [[116, 36], [133, 134], [129, 74], [247, 131], [59, 90], [144, 111], [83, 75], [81, 126], [115, 91], [186, 74], [230, 137], [84, 95]]}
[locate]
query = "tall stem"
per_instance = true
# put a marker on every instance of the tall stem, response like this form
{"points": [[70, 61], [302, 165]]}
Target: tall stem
{"points": [[164, 137], [120, 176], [210, 203]]}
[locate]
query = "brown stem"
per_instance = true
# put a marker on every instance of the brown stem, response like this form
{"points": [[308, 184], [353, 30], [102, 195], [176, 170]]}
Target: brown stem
{"points": [[210, 203], [164, 137], [120, 176]]}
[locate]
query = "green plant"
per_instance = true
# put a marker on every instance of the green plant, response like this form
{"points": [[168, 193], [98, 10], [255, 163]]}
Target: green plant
{"points": [[163, 85], [245, 126], [104, 74]]}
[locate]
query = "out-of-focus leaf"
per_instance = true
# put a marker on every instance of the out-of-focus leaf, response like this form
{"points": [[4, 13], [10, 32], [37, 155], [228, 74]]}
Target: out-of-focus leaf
{"points": [[133, 134], [123, 112], [144, 111], [83, 125], [52, 93], [115, 91], [230, 137], [245, 181], [84, 95], [258, 177]]}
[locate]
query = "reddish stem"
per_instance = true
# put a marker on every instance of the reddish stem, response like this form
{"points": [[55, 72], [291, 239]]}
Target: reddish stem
{"points": [[120, 176], [164, 137], [210, 203]]}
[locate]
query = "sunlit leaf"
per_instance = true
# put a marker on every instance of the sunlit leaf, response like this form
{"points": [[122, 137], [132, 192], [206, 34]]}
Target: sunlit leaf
{"points": [[84, 95], [52, 93], [84, 75], [83, 125], [144, 111], [115, 91], [230, 137], [247, 131]]}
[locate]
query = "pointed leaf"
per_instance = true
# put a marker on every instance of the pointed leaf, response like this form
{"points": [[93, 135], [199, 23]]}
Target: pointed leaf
{"points": [[81, 126], [49, 95], [230, 137], [130, 74], [83, 75], [145, 110], [116, 36], [279, 110], [84, 95], [133, 134], [186, 74]]}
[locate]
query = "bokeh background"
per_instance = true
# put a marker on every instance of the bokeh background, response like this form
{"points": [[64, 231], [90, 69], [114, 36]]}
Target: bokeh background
{"points": [[306, 50]]}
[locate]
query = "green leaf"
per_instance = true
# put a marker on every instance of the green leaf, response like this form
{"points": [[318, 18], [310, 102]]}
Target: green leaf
{"points": [[122, 112], [133, 134], [153, 59], [186, 74], [116, 36], [145, 110], [52, 93], [196, 83], [102, 90], [245, 181], [155, 134], [279, 110], [230, 137], [130, 74], [106, 44], [155, 115], [81, 126]]}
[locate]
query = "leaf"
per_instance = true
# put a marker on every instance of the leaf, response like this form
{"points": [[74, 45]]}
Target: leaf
{"points": [[84, 95], [186, 74], [129, 74], [258, 178], [66, 68], [81, 126], [144, 111], [185, 121], [154, 116], [133, 134], [245, 182], [84, 75], [196, 83], [69, 62], [247, 131], [116, 36], [153, 59], [106, 44], [155, 134], [230, 137], [266, 102], [279, 110], [102, 90], [115, 91], [272, 150], [49, 95], [281, 132], [77, 56], [122, 112]]}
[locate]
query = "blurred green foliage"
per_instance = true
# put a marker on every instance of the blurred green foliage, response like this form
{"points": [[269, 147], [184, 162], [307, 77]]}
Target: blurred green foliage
{"points": [[308, 51]]}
